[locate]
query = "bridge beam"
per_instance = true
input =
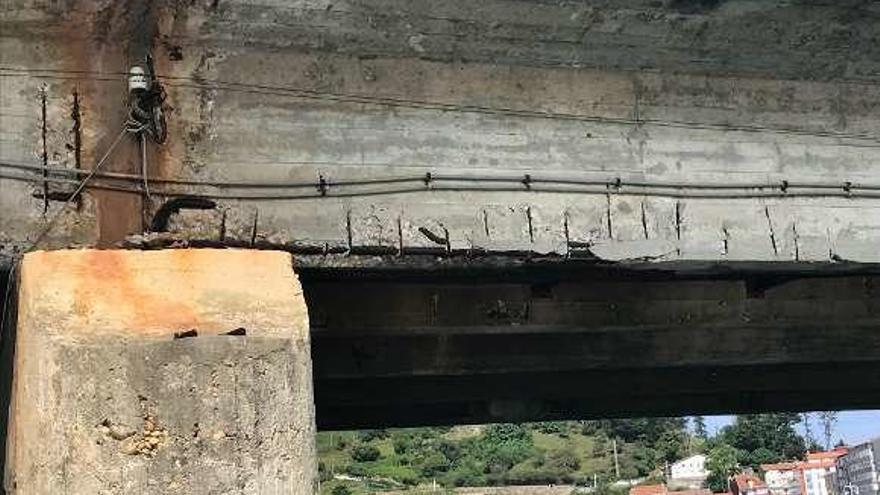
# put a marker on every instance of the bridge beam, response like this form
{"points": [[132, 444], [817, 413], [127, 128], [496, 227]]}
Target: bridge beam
{"points": [[532, 344]]}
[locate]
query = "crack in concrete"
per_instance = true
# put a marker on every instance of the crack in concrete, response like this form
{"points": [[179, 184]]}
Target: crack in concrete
{"points": [[772, 233], [348, 232], [678, 221], [254, 226], [531, 226], [725, 243], [567, 235], [45, 153], [76, 116], [608, 221]]}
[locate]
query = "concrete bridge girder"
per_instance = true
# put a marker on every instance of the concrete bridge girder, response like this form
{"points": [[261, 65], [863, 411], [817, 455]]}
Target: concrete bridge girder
{"points": [[253, 99]]}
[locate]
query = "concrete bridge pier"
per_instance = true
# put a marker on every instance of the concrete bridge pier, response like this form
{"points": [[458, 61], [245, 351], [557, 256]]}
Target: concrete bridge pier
{"points": [[184, 371]]}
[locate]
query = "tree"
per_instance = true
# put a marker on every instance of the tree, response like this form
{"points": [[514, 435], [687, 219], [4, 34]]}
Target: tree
{"points": [[504, 445], [670, 446], [764, 438], [762, 455], [641, 460], [700, 427], [554, 427], [647, 430], [808, 430], [721, 464], [827, 419]]}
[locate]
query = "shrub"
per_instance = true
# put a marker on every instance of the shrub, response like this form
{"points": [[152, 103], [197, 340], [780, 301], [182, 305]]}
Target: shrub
{"points": [[450, 450], [563, 460], [365, 453], [521, 475], [341, 490], [369, 435], [402, 443], [434, 464], [324, 474]]}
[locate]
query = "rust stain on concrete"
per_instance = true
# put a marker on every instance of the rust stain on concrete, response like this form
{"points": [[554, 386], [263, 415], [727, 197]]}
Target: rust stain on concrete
{"points": [[111, 286], [158, 293], [102, 41]]}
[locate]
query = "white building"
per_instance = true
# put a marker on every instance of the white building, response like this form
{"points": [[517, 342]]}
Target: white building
{"points": [[859, 470], [689, 473], [785, 478], [820, 471]]}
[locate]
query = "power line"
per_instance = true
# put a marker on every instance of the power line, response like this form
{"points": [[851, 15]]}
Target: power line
{"points": [[311, 94]]}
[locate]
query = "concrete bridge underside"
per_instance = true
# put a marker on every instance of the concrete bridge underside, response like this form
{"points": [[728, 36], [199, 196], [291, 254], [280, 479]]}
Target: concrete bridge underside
{"points": [[567, 341], [513, 210]]}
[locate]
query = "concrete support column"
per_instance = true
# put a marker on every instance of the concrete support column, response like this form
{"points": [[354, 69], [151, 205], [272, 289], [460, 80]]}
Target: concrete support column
{"points": [[178, 372]]}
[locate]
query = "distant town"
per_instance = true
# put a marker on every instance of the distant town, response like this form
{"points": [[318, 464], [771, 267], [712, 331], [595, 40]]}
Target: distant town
{"points": [[841, 471], [762, 454]]}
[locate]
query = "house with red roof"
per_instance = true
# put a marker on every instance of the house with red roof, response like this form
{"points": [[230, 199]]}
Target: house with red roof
{"points": [[659, 489], [813, 476], [819, 470], [748, 484]]}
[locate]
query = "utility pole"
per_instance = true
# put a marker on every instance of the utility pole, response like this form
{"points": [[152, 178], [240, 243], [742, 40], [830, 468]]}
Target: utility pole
{"points": [[616, 461]]}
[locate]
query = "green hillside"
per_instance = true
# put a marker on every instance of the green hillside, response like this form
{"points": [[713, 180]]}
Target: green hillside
{"points": [[569, 453], [500, 454]]}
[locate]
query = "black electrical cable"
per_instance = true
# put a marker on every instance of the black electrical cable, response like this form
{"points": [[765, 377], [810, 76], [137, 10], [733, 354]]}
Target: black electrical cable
{"points": [[208, 183], [304, 93], [614, 182], [845, 190]]}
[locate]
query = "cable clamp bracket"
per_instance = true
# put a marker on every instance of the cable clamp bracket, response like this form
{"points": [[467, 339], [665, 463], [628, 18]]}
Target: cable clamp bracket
{"points": [[322, 186]]}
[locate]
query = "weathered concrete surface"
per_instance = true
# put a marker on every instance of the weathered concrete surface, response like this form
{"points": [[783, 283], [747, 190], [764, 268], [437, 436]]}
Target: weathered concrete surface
{"points": [[724, 92], [107, 400], [576, 342]]}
